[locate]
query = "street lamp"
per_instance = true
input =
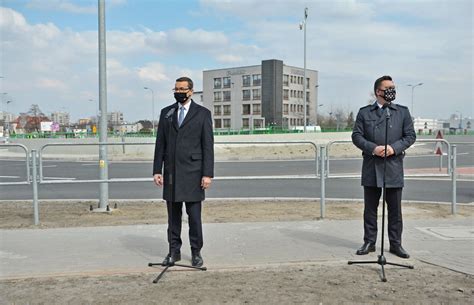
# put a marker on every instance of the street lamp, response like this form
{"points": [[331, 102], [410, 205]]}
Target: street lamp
{"points": [[303, 27], [413, 89], [152, 108], [316, 119], [7, 116]]}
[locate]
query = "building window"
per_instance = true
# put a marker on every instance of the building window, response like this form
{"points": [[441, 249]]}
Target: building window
{"points": [[291, 79], [217, 83], [256, 109], [285, 108], [217, 123], [246, 95], [307, 83], [286, 80], [256, 94], [217, 110], [257, 123], [245, 80], [227, 82], [245, 123], [217, 96], [307, 97], [245, 109], [285, 94], [226, 110], [226, 95], [256, 80], [226, 123]]}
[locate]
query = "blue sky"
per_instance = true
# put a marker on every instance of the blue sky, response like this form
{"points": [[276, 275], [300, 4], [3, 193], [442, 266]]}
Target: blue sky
{"points": [[49, 50]]}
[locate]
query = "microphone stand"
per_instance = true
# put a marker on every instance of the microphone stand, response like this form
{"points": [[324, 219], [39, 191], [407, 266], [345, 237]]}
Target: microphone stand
{"points": [[169, 116], [382, 261]]}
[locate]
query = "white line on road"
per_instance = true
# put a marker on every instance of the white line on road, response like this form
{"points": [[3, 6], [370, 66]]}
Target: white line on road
{"points": [[9, 176], [58, 178]]}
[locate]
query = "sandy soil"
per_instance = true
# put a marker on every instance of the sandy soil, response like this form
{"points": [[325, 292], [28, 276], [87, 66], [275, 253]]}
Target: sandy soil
{"points": [[77, 214], [305, 283]]}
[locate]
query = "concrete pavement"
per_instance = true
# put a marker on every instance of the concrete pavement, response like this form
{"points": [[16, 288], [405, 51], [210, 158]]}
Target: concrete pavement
{"points": [[127, 249]]}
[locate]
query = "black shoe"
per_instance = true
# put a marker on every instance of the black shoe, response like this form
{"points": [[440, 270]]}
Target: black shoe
{"points": [[366, 248], [170, 259], [399, 251], [196, 260]]}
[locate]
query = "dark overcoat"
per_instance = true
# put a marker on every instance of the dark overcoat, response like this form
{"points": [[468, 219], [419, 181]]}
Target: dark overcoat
{"points": [[369, 132], [184, 153]]}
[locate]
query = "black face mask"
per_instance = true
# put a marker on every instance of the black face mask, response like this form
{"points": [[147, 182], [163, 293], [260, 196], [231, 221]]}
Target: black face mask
{"points": [[389, 94], [180, 97]]}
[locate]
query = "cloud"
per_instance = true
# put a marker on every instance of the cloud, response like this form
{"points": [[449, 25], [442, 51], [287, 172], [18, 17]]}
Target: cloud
{"points": [[229, 58], [62, 5], [50, 84], [70, 6], [349, 42], [154, 71]]}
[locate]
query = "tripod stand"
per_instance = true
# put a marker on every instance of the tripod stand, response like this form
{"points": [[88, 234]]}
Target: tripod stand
{"points": [[171, 265], [381, 258]]}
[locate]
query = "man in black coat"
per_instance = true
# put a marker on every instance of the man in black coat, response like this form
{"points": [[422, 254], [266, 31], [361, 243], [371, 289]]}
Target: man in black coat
{"points": [[184, 166], [369, 135]]}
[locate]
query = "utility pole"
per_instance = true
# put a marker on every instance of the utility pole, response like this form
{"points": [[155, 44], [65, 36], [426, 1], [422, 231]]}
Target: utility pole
{"points": [[103, 164]]}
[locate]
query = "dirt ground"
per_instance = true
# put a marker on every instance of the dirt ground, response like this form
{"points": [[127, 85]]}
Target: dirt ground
{"points": [[16, 215], [305, 283], [296, 283]]}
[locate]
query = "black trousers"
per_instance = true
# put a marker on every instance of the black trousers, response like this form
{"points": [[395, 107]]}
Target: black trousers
{"points": [[394, 209], [175, 212]]}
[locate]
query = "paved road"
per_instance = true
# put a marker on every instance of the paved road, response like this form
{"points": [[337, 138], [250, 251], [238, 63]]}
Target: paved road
{"points": [[419, 189]]}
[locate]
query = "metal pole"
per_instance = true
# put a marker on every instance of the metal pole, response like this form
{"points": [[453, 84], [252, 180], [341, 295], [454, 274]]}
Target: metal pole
{"points": [[412, 91], [304, 70], [34, 181], [103, 164], [322, 152], [152, 108], [453, 179]]}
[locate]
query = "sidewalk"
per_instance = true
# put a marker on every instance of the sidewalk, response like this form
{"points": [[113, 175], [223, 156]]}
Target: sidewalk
{"points": [[128, 249]]}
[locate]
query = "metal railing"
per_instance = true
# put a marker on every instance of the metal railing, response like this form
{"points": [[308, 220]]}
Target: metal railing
{"points": [[36, 178], [451, 172], [27, 164], [442, 141]]}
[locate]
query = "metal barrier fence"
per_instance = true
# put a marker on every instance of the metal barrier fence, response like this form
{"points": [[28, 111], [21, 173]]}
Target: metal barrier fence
{"points": [[451, 172], [36, 178], [27, 164]]}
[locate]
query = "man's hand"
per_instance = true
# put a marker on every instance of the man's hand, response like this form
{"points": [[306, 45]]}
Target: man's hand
{"points": [[390, 151], [206, 182], [379, 151], [158, 179]]}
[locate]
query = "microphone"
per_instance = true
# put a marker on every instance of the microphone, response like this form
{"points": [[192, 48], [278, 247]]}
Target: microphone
{"points": [[386, 106], [170, 113]]}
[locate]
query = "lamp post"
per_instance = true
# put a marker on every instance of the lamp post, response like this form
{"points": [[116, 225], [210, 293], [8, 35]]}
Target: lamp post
{"points": [[7, 118], [316, 119], [303, 27], [152, 108], [413, 86]]}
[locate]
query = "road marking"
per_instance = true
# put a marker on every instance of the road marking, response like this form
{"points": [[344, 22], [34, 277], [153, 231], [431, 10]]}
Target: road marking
{"points": [[9, 176], [58, 178]]}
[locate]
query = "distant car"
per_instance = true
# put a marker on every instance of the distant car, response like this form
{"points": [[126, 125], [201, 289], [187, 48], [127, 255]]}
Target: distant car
{"points": [[4, 140]]}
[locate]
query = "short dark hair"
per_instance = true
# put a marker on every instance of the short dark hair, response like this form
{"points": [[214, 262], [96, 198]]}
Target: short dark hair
{"points": [[379, 81], [186, 79]]}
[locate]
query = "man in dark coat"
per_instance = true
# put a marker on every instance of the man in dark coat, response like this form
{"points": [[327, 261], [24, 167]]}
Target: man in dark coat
{"points": [[369, 135], [184, 166]]}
